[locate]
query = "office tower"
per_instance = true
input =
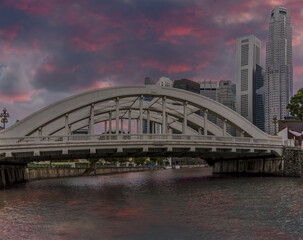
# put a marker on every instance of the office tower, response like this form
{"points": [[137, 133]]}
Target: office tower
{"points": [[279, 70], [259, 100], [234, 86], [225, 96], [248, 57], [148, 81], [225, 93], [165, 82], [209, 89], [187, 85]]}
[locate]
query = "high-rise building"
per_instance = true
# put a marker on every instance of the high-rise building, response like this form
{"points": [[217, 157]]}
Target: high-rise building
{"points": [[209, 89], [248, 57], [225, 96], [259, 99], [225, 93], [279, 69], [188, 85]]}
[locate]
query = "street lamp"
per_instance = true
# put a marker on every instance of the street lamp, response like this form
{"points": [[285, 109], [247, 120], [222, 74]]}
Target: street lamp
{"points": [[4, 115], [275, 121]]}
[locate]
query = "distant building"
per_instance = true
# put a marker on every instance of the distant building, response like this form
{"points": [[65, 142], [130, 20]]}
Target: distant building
{"points": [[187, 85], [225, 96], [279, 66], [209, 89], [148, 81], [248, 57], [259, 99], [165, 82]]}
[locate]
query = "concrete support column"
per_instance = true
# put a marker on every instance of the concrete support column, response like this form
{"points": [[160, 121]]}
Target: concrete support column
{"points": [[148, 122], [242, 134], [117, 115], [224, 127], [184, 125], [40, 132], [199, 130], [140, 114], [164, 115], [153, 127], [105, 127], [66, 127], [205, 122], [138, 125], [91, 120], [129, 121], [3, 177], [166, 122], [121, 126], [110, 122]]}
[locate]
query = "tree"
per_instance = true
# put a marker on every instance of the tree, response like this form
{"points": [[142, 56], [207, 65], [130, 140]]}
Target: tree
{"points": [[296, 105]]}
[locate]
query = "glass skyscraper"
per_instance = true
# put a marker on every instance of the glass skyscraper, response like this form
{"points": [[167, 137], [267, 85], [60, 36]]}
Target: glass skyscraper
{"points": [[279, 68]]}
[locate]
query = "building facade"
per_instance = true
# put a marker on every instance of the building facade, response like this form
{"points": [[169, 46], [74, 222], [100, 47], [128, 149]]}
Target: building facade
{"points": [[248, 57], [165, 82], [187, 85], [279, 68]]}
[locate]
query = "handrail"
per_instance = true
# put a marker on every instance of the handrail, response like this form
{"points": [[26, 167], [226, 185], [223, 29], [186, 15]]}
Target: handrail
{"points": [[136, 137]]}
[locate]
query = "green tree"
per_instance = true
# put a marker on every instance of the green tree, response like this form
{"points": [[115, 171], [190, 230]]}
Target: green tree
{"points": [[296, 105]]}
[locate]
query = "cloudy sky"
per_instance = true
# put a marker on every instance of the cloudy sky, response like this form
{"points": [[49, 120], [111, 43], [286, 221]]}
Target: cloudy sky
{"points": [[53, 49]]}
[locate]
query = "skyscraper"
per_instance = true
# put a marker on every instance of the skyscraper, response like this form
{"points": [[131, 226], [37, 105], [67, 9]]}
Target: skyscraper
{"points": [[279, 70], [248, 58]]}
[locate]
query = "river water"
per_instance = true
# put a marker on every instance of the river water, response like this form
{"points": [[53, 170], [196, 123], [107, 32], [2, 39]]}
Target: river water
{"points": [[165, 204]]}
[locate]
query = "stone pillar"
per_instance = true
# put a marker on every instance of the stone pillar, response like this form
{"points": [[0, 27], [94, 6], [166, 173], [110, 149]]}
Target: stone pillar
{"points": [[91, 120], [199, 130], [148, 122], [184, 125], [164, 115], [242, 134], [117, 115], [129, 121], [153, 127], [140, 114], [205, 122]]}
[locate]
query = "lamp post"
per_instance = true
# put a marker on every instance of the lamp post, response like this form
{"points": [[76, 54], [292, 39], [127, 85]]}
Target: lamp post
{"points": [[4, 115], [275, 121]]}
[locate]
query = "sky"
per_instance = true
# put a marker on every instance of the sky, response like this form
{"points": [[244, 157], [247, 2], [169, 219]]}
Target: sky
{"points": [[53, 49]]}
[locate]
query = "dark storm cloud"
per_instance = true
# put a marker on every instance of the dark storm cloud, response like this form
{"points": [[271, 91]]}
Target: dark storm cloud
{"points": [[73, 45]]}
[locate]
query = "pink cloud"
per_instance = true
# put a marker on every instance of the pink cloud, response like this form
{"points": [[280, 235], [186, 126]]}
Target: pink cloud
{"points": [[171, 68]]}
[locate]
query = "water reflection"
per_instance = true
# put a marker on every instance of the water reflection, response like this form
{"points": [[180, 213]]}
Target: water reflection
{"points": [[170, 204]]}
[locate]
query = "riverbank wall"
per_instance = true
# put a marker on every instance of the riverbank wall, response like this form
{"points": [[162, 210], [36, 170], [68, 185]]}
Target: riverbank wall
{"points": [[10, 175]]}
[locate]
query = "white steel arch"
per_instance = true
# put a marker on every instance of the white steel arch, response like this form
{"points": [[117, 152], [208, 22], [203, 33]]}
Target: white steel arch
{"points": [[173, 108]]}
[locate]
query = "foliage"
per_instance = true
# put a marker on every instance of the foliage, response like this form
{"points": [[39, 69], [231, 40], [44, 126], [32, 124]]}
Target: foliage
{"points": [[139, 160], [296, 105]]}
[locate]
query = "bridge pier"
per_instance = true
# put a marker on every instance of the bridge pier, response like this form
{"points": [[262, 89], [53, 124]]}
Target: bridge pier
{"points": [[274, 166], [10, 174]]}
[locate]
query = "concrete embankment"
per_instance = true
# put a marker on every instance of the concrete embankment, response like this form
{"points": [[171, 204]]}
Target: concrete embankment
{"points": [[10, 175]]}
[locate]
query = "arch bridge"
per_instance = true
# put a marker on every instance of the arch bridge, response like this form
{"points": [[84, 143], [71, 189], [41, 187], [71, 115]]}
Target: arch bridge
{"points": [[135, 121]]}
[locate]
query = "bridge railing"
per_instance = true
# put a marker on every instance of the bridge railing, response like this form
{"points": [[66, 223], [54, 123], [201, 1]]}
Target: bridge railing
{"points": [[136, 137]]}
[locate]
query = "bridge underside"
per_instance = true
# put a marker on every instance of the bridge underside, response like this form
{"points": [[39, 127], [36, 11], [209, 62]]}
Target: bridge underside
{"points": [[208, 152]]}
